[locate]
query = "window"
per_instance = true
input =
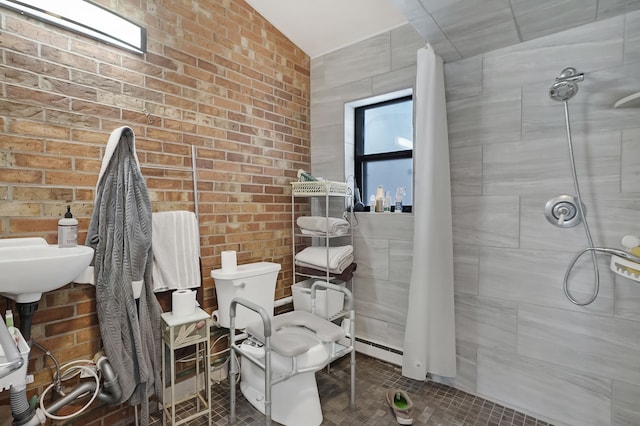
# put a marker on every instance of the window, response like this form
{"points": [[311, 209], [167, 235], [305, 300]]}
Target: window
{"points": [[384, 148]]}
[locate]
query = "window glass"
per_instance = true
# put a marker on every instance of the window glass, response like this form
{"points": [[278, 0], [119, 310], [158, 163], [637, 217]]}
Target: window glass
{"points": [[388, 128], [391, 174], [384, 148]]}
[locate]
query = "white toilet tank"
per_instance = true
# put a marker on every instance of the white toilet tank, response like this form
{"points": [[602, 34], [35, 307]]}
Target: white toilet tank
{"points": [[255, 282]]}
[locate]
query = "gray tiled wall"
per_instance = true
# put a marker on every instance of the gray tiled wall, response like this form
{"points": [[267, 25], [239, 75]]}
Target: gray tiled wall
{"points": [[519, 340]]}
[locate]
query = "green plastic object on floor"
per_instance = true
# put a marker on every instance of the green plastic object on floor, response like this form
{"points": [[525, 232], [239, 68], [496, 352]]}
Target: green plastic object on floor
{"points": [[400, 402], [402, 406]]}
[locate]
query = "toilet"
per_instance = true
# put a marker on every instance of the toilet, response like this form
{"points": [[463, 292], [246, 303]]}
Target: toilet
{"points": [[299, 340], [255, 282]]}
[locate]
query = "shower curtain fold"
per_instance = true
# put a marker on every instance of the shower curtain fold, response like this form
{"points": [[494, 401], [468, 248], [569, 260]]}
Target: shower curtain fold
{"points": [[429, 341]]}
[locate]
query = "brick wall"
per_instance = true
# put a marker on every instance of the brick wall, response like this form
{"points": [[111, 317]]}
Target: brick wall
{"points": [[216, 76]]}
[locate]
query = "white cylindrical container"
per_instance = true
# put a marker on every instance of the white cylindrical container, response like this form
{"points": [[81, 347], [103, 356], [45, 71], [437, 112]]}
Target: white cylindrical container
{"points": [[183, 303], [229, 261], [379, 199], [68, 230]]}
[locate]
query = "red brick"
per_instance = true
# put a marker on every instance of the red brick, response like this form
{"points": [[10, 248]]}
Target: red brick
{"points": [[218, 77]]}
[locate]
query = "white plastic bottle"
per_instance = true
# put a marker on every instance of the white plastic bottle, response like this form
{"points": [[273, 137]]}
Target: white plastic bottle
{"points": [[379, 199], [400, 192], [68, 230]]}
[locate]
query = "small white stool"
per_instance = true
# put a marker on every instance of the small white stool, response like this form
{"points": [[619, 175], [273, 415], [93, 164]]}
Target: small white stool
{"points": [[180, 332]]}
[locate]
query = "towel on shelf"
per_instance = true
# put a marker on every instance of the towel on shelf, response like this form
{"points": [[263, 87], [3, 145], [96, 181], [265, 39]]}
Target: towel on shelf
{"points": [[176, 251], [321, 225], [339, 269], [339, 258], [345, 275]]}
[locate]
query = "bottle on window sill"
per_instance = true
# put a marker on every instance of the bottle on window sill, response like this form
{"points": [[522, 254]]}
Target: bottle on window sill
{"points": [[400, 192]]}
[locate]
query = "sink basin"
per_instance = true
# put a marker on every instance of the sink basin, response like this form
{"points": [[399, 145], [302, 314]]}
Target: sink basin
{"points": [[30, 267]]}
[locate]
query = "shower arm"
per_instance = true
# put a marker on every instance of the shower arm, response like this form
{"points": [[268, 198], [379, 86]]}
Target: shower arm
{"points": [[572, 78]]}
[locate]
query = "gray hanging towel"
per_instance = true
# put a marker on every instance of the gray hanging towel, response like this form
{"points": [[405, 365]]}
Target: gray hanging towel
{"points": [[120, 234]]}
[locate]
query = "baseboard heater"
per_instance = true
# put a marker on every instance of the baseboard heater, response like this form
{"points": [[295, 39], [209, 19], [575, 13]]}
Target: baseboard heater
{"points": [[377, 350]]}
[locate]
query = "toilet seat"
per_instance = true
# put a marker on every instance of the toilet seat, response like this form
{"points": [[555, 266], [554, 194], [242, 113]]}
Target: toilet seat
{"points": [[286, 345], [301, 336]]}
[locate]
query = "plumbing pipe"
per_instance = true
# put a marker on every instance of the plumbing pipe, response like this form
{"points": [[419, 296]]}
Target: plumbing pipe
{"points": [[113, 391], [70, 397], [25, 313], [110, 394], [21, 411]]}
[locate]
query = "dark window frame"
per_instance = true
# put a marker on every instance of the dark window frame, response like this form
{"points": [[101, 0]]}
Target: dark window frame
{"points": [[361, 159]]}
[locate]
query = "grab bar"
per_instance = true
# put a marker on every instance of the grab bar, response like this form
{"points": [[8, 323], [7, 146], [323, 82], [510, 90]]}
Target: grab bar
{"points": [[11, 352], [266, 321], [352, 319]]}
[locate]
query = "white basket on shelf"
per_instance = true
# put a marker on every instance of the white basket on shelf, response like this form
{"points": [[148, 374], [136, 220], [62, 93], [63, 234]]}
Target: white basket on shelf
{"points": [[320, 187]]}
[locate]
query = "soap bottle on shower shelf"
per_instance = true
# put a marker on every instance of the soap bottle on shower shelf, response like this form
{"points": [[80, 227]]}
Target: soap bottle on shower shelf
{"points": [[632, 244], [68, 230]]}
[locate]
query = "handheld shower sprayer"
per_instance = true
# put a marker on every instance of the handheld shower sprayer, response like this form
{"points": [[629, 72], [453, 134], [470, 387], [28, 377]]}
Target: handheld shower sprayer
{"points": [[563, 89], [565, 86]]}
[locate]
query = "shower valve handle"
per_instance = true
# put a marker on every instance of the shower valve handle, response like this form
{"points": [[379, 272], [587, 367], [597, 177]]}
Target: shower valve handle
{"points": [[564, 212]]}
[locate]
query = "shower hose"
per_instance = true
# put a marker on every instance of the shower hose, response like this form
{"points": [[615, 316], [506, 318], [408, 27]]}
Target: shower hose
{"points": [[592, 249]]}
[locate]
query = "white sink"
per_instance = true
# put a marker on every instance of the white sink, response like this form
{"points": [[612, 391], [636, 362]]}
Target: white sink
{"points": [[30, 267]]}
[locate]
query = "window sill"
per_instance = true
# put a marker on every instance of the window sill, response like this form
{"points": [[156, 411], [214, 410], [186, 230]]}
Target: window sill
{"points": [[405, 209]]}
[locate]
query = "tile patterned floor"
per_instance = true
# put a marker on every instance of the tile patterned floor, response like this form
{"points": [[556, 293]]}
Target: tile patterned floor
{"points": [[434, 404]]}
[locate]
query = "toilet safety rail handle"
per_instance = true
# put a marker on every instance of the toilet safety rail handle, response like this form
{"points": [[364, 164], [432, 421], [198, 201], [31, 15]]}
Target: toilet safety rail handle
{"points": [[266, 321], [11, 352], [323, 284], [352, 335]]}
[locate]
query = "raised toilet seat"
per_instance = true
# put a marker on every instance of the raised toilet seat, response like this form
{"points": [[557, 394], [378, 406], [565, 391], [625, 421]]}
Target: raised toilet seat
{"points": [[286, 344], [301, 344], [277, 363]]}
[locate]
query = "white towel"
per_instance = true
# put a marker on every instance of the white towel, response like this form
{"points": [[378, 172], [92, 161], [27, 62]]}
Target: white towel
{"points": [[316, 257], [316, 225], [176, 250], [342, 265]]}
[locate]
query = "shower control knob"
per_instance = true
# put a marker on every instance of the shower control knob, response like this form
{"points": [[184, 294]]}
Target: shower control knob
{"points": [[563, 211]]}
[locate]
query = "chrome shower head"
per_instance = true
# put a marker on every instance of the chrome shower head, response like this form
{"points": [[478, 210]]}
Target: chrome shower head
{"points": [[565, 86], [563, 90]]}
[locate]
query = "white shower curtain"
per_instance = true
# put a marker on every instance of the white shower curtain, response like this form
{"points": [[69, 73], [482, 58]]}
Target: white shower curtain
{"points": [[429, 340]]}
